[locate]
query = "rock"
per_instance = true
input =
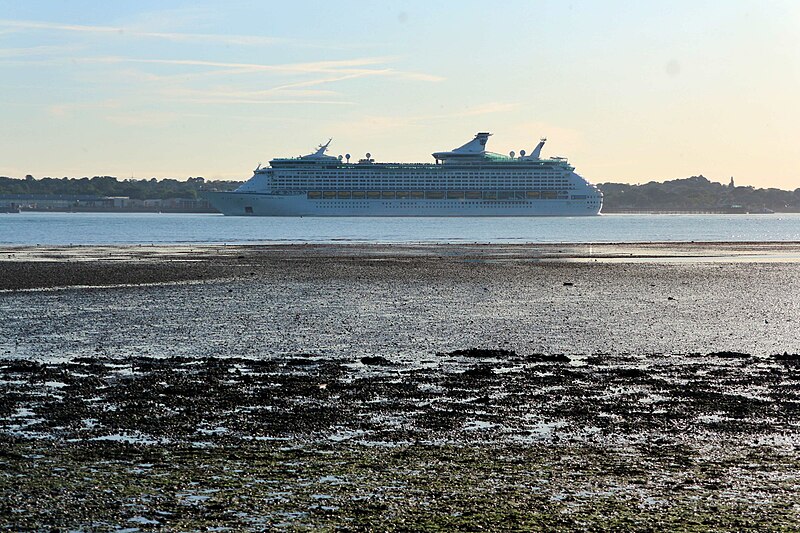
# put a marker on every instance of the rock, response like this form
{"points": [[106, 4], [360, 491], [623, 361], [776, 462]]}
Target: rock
{"points": [[545, 358], [300, 362], [632, 373], [479, 371], [376, 360], [729, 355], [303, 359], [480, 353], [788, 358]]}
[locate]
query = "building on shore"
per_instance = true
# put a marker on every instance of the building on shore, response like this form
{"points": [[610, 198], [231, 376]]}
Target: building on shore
{"points": [[88, 203]]}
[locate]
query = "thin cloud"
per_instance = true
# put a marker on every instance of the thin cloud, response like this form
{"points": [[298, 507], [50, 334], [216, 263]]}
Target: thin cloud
{"points": [[419, 76], [230, 95], [68, 109], [8, 26], [321, 81], [342, 65], [150, 118], [174, 85], [265, 102], [33, 51], [120, 31], [346, 68], [237, 69]]}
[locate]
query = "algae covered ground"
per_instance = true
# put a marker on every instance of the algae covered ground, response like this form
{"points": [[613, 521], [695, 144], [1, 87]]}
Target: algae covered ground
{"points": [[479, 439]]}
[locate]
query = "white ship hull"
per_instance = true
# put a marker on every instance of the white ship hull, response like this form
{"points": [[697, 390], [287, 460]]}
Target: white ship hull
{"points": [[258, 204]]}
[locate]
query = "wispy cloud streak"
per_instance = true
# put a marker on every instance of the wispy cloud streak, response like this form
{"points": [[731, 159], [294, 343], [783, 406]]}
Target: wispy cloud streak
{"points": [[6, 53], [266, 102], [321, 81], [156, 79], [344, 65], [120, 31], [68, 109], [341, 70]]}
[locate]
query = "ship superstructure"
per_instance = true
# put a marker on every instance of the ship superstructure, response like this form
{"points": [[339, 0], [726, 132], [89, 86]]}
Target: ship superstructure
{"points": [[465, 181]]}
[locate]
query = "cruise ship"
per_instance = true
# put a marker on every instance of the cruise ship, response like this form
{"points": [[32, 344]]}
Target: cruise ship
{"points": [[465, 181]]}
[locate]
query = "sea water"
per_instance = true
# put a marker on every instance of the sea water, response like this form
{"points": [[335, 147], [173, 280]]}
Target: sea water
{"points": [[35, 228]]}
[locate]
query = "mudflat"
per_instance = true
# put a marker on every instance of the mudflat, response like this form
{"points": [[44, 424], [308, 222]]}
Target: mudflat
{"points": [[25, 267], [401, 387]]}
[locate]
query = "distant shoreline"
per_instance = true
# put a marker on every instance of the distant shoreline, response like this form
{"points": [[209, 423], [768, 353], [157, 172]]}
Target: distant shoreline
{"points": [[121, 211], [605, 212]]}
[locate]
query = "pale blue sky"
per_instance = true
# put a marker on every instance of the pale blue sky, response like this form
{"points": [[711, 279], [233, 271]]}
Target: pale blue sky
{"points": [[630, 91]]}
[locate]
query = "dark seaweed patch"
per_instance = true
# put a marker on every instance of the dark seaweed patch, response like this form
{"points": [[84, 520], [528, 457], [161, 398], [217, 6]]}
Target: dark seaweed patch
{"points": [[547, 358], [729, 355], [481, 353], [376, 361]]}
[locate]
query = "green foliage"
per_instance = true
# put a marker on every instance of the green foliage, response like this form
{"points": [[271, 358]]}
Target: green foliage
{"points": [[694, 194], [139, 189]]}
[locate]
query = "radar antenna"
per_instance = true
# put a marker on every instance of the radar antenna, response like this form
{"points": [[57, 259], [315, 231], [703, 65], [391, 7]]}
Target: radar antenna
{"points": [[323, 147]]}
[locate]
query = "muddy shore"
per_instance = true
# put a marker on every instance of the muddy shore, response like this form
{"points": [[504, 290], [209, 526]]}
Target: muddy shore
{"points": [[27, 267], [558, 387]]}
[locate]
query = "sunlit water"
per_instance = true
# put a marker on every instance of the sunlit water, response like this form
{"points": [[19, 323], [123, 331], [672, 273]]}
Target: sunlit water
{"points": [[146, 228]]}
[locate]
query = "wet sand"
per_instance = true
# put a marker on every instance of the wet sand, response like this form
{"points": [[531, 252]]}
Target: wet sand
{"points": [[24, 267], [401, 387]]}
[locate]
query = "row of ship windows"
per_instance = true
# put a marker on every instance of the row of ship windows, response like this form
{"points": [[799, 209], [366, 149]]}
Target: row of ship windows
{"points": [[435, 205], [437, 179], [452, 175], [475, 187], [411, 183], [440, 195], [427, 205]]}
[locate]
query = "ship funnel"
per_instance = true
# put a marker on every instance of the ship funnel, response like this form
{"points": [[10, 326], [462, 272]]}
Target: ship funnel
{"points": [[476, 145], [537, 152]]}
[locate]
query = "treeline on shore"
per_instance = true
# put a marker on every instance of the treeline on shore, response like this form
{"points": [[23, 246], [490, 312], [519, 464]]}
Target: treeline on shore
{"points": [[689, 194], [695, 194], [136, 189]]}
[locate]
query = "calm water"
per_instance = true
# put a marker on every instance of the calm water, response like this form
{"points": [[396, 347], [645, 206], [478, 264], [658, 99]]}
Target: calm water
{"points": [[123, 228]]}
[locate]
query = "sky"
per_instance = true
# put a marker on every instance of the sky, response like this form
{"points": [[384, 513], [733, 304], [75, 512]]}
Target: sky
{"points": [[629, 91]]}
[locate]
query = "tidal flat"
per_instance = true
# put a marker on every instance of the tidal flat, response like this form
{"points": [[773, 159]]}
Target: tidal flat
{"points": [[400, 387]]}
